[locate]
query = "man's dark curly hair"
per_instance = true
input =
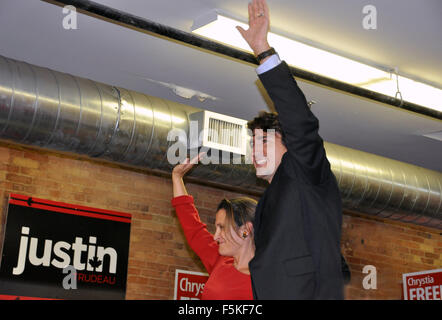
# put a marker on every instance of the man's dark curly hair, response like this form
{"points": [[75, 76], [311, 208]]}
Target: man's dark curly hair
{"points": [[265, 121]]}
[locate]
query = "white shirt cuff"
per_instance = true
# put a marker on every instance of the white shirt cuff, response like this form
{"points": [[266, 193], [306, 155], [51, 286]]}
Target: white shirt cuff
{"points": [[269, 64]]}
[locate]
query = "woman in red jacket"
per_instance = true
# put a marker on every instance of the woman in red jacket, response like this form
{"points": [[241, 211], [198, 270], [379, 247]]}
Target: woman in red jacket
{"points": [[226, 255]]}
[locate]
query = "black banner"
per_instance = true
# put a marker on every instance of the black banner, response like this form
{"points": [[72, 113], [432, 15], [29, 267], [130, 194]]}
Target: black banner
{"points": [[56, 250]]}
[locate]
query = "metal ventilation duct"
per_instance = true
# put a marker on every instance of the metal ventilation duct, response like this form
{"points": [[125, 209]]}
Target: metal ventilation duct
{"points": [[385, 187], [58, 111]]}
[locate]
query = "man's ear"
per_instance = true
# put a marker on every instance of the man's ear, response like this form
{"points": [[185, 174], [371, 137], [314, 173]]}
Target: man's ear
{"points": [[280, 137]]}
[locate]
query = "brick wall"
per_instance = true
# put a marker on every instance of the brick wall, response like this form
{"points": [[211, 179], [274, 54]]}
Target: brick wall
{"points": [[392, 247], [157, 245]]}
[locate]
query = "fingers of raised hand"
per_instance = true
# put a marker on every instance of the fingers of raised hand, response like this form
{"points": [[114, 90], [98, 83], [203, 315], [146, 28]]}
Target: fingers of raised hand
{"points": [[257, 9]]}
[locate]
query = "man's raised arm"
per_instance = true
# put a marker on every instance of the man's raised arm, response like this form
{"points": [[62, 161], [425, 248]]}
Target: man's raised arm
{"points": [[299, 124]]}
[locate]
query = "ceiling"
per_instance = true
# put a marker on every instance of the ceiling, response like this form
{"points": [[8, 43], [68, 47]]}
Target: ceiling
{"points": [[408, 36]]}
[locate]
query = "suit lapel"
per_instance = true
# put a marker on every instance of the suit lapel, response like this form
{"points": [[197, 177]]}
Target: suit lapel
{"points": [[259, 212]]}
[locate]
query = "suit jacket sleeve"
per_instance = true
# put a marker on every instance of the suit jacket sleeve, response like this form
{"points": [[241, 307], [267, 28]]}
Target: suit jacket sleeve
{"points": [[300, 126]]}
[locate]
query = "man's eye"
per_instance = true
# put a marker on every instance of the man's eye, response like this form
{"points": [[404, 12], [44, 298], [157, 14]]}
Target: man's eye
{"points": [[263, 141]]}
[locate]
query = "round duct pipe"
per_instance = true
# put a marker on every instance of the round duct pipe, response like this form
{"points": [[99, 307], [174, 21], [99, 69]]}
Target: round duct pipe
{"points": [[57, 111], [53, 110], [387, 188]]}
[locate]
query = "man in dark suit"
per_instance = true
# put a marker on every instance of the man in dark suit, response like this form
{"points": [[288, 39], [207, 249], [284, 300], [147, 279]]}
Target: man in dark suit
{"points": [[298, 219]]}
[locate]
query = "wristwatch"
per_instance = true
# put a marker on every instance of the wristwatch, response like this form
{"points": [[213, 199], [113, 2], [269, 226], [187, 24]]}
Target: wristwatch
{"points": [[265, 54]]}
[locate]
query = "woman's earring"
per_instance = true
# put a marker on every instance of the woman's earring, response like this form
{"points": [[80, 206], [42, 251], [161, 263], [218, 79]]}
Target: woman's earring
{"points": [[244, 234]]}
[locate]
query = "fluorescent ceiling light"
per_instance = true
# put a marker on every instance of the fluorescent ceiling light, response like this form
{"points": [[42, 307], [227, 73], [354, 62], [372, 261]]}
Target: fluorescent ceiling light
{"points": [[223, 29]]}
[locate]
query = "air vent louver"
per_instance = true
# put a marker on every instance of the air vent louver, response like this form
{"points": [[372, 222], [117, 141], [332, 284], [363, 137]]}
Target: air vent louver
{"points": [[219, 131]]}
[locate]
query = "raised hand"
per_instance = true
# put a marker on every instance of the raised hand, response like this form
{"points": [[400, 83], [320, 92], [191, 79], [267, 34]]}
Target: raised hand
{"points": [[179, 171], [259, 23]]}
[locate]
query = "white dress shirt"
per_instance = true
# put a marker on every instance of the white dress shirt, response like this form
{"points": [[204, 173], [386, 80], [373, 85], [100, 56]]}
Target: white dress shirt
{"points": [[270, 63]]}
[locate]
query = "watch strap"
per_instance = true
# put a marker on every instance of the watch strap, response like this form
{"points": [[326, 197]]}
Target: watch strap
{"points": [[265, 54]]}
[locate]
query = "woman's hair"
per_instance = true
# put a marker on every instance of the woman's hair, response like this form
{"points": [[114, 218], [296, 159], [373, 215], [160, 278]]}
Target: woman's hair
{"points": [[238, 212]]}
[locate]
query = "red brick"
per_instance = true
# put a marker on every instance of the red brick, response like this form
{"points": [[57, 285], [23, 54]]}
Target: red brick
{"points": [[432, 255], [18, 178], [25, 162]]}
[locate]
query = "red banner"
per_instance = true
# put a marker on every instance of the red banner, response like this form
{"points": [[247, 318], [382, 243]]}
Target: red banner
{"points": [[189, 285], [423, 285]]}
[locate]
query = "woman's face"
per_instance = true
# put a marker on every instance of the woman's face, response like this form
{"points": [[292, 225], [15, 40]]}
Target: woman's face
{"points": [[228, 246]]}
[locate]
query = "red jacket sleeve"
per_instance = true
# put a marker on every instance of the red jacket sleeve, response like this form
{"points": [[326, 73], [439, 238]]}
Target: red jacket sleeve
{"points": [[199, 238]]}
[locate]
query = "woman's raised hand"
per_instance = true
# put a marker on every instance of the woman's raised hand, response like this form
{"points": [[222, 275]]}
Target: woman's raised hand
{"points": [[180, 170]]}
